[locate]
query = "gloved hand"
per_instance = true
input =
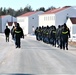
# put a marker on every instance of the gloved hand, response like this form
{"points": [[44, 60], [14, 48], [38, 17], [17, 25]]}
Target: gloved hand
{"points": [[23, 37]]}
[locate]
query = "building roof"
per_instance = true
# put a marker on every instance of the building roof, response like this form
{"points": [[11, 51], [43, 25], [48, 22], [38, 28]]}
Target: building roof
{"points": [[2, 16], [73, 20], [53, 11], [27, 14]]}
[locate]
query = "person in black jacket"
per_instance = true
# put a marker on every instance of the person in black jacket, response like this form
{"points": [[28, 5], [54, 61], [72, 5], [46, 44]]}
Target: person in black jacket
{"points": [[65, 35], [18, 35], [7, 33], [12, 32]]}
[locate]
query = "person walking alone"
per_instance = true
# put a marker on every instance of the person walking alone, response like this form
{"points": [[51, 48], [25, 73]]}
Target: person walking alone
{"points": [[7, 33], [18, 35]]}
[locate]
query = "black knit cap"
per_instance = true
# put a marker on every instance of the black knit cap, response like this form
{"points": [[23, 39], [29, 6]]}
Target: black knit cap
{"points": [[17, 25], [65, 25]]}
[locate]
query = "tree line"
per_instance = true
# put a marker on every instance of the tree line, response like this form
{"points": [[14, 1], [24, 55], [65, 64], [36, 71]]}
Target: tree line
{"points": [[28, 8]]}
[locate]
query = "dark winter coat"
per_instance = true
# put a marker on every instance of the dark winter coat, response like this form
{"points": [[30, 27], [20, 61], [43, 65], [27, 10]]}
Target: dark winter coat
{"points": [[7, 31]]}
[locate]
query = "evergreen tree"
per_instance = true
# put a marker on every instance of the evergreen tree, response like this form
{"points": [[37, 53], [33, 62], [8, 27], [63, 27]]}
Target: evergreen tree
{"points": [[41, 9]]}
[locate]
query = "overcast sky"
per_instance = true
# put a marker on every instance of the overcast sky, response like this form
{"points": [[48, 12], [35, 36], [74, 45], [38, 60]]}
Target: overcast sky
{"points": [[35, 4]]}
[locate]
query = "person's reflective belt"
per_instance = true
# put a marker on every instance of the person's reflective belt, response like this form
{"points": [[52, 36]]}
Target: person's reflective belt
{"points": [[17, 31], [65, 32], [46, 33], [54, 31]]}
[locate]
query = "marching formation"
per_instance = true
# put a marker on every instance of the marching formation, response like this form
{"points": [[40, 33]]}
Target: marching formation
{"points": [[57, 37], [54, 36]]}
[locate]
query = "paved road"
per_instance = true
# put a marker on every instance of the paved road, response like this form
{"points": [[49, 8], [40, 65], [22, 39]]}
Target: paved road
{"points": [[35, 57]]}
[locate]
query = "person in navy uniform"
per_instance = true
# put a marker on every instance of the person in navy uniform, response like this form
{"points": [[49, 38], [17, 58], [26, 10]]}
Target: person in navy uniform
{"points": [[18, 35]]}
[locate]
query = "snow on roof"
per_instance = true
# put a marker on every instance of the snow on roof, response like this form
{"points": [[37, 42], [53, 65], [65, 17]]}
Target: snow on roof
{"points": [[56, 10], [27, 14]]}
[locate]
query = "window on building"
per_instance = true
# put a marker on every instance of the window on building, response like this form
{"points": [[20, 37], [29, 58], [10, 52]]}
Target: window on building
{"points": [[53, 17], [48, 18], [33, 18], [20, 20], [44, 18]]}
